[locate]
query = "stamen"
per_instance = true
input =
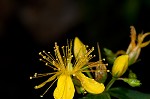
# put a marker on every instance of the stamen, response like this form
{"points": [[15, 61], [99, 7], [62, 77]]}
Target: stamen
{"points": [[92, 70], [48, 59], [59, 57], [48, 88], [83, 60], [51, 66], [41, 75]]}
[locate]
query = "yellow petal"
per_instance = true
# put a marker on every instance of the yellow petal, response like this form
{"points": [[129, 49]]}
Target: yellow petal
{"points": [[65, 88], [145, 44], [120, 65], [141, 37], [79, 48], [133, 55], [90, 85], [133, 40]]}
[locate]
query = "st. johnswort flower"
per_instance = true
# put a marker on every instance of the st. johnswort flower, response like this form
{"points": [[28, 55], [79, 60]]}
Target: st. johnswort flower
{"points": [[64, 69], [134, 47]]}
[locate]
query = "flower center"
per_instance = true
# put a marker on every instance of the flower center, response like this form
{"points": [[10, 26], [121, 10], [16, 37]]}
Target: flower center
{"points": [[69, 67]]}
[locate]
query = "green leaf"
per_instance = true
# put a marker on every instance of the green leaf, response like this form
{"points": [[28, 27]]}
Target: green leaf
{"points": [[110, 56], [132, 82], [97, 96], [124, 93]]}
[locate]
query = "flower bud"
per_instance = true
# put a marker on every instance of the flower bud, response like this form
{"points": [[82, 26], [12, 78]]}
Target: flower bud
{"points": [[79, 48], [120, 65], [132, 75]]}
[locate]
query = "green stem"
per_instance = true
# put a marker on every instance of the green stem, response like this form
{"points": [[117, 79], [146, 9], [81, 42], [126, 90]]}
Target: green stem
{"points": [[89, 74], [111, 83]]}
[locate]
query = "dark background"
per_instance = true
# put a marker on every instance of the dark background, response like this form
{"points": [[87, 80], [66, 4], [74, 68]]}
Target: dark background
{"points": [[29, 26]]}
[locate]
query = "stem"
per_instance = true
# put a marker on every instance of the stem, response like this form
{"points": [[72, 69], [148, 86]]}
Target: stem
{"points": [[89, 74], [111, 83]]}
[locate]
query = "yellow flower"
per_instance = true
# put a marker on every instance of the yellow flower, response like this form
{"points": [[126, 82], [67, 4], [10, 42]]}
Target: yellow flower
{"points": [[120, 65], [134, 48], [64, 70]]}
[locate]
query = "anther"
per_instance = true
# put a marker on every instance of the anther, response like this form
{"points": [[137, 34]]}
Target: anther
{"points": [[41, 95], [108, 70], [44, 57], [36, 87], [85, 92], [40, 53], [89, 55], [35, 75], [31, 77], [103, 59], [92, 48], [55, 43], [46, 63], [62, 47]]}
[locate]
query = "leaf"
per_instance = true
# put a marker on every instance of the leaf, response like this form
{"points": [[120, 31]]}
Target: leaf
{"points": [[97, 96], [110, 56], [124, 93], [132, 82]]}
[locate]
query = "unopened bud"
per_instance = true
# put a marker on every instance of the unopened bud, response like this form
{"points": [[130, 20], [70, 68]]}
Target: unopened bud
{"points": [[120, 65]]}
